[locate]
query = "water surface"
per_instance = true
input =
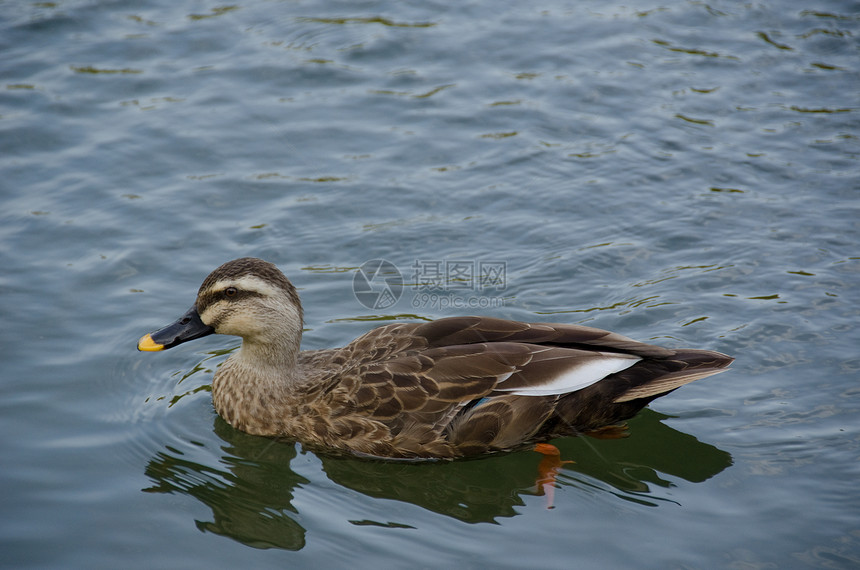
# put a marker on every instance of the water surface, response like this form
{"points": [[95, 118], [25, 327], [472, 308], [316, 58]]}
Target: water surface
{"points": [[682, 173]]}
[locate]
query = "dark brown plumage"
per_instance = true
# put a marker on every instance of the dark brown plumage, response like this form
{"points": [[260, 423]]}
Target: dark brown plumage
{"points": [[454, 387]]}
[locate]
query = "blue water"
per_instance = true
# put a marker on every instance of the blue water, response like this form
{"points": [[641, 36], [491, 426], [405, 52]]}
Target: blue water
{"points": [[682, 173]]}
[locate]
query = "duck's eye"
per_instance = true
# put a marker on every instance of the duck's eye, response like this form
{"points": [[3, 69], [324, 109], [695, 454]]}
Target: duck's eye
{"points": [[230, 292]]}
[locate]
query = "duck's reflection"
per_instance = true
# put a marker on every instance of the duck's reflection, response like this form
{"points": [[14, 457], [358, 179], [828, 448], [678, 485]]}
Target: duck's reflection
{"points": [[251, 490]]}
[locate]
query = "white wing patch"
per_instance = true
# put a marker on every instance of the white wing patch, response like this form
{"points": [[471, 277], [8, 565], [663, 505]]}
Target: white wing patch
{"points": [[584, 373]]}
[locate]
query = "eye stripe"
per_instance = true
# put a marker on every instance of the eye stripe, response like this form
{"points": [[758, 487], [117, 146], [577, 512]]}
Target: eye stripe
{"points": [[210, 297], [244, 283]]}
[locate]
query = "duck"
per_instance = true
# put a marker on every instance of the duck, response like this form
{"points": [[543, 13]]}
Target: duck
{"points": [[450, 388]]}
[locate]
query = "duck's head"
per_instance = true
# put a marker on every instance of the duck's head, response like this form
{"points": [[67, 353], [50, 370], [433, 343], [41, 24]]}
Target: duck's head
{"points": [[246, 297]]}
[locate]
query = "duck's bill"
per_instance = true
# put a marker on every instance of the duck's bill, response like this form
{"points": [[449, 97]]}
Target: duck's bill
{"points": [[188, 327]]}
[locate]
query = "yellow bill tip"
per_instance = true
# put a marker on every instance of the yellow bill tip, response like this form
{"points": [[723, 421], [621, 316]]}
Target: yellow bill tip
{"points": [[146, 344]]}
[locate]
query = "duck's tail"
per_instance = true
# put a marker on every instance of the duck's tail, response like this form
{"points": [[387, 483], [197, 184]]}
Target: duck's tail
{"points": [[684, 366], [620, 396]]}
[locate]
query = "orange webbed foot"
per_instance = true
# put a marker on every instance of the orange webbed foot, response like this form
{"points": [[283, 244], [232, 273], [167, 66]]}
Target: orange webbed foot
{"points": [[548, 470]]}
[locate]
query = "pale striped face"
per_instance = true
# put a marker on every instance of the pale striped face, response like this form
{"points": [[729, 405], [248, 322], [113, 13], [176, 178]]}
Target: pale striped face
{"points": [[250, 298]]}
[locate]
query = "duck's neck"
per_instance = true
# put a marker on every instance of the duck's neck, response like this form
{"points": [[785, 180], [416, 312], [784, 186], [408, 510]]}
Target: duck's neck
{"points": [[274, 360], [251, 387], [270, 352]]}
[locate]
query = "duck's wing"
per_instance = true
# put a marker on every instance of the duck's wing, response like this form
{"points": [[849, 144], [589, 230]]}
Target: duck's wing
{"points": [[601, 353], [473, 384], [467, 399], [468, 330], [419, 367]]}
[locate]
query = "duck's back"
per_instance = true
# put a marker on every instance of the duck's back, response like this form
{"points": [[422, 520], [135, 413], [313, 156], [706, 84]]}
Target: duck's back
{"points": [[469, 385]]}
